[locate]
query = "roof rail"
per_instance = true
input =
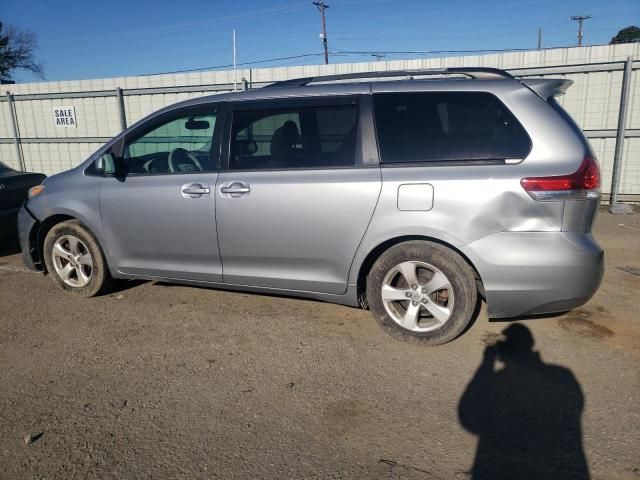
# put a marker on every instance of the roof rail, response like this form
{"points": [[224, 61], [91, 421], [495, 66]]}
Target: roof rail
{"points": [[483, 73]]}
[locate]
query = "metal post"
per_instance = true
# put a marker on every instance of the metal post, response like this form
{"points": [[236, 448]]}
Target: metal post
{"points": [[121, 109], [235, 72], [622, 122], [539, 38], [16, 134]]}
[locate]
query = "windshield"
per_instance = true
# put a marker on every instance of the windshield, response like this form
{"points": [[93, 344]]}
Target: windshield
{"points": [[3, 167]]}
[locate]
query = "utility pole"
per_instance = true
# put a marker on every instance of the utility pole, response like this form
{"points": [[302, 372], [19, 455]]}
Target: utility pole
{"points": [[322, 7], [539, 38], [580, 19]]}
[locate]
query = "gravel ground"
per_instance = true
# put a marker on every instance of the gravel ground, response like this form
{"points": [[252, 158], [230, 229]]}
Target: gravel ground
{"points": [[161, 381]]}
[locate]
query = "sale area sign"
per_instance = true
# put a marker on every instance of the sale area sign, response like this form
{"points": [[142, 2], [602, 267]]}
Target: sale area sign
{"points": [[64, 117]]}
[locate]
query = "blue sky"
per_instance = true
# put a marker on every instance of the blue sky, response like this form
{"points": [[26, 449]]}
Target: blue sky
{"points": [[105, 38]]}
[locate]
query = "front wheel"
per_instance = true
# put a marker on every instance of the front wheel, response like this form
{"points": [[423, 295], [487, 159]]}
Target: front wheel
{"points": [[75, 260], [422, 292]]}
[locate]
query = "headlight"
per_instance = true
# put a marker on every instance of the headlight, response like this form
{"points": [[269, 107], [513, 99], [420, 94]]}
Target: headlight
{"points": [[37, 190]]}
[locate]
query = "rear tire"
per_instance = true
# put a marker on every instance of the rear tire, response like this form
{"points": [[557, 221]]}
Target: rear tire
{"points": [[422, 292], [74, 259]]}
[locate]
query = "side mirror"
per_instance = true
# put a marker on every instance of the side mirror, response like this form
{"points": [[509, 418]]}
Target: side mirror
{"points": [[105, 164]]}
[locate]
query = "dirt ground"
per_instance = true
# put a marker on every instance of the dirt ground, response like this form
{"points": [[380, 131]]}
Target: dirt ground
{"points": [[161, 381]]}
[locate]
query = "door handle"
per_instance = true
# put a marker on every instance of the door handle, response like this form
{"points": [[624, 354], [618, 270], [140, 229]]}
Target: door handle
{"points": [[235, 189], [194, 190]]}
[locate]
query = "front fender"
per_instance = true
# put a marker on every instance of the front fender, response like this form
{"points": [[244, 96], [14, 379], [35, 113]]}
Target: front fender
{"points": [[71, 195]]}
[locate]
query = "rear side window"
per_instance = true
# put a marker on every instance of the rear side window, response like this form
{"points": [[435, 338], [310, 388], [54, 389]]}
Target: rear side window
{"points": [[447, 126], [322, 136]]}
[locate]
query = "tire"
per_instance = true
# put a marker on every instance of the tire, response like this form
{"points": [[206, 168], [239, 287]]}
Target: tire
{"points": [[77, 264], [440, 303]]}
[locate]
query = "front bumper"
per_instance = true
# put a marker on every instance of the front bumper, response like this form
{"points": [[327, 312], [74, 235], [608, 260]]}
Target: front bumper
{"points": [[26, 236], [532, 273]]}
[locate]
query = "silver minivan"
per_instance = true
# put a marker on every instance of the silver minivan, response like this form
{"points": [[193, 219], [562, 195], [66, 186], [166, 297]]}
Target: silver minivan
{"points": [[416, 194]]}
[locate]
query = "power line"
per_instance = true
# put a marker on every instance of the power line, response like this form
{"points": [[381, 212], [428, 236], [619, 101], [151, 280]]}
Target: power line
{"points": [[376, 53], [254, 62], [580, 19], [426, 52], [322, 7], [206, 23]]}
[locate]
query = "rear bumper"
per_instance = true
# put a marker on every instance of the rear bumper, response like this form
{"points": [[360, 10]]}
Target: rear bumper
{"points": [[532, 273], [26, 224]]}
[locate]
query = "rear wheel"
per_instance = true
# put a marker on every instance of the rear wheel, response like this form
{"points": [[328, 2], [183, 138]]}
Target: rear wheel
{"points": [[75, 260], [422, 292]]}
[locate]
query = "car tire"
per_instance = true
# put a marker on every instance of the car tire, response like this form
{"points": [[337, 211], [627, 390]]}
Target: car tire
{"points": [[74, 259], [422, 292]]}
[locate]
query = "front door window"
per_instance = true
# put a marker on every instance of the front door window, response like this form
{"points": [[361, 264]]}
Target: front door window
{"points": [[178, 144]]}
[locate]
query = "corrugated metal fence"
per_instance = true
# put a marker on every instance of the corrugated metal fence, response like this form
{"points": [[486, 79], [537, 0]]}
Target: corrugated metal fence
{"points": [[31, 140]]}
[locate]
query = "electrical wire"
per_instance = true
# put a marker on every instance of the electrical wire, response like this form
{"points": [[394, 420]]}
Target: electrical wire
{"points": [[345, 53], [254, 62], [187, 26]]}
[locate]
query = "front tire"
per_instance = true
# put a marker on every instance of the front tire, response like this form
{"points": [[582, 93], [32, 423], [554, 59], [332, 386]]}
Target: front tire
{"points": [[422, 292], [75, 260]]}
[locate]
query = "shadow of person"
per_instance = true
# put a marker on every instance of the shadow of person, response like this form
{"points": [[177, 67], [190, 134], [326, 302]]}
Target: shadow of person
{"points": [[527, 414]]}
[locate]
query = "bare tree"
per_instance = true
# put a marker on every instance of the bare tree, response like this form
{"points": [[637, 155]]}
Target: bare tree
{"points": [[17, 51]]}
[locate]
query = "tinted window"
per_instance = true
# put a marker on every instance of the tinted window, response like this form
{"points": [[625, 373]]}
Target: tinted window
{"points": [[3, 167], [179, 143], [431, 127], [300, 137]]}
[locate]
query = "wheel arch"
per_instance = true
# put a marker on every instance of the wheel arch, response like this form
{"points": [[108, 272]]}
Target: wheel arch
{"points": [[378, 250]]}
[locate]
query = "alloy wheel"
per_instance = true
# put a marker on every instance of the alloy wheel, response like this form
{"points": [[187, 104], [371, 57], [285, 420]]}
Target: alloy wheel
{"points": [[417, 296], [72, 261]]}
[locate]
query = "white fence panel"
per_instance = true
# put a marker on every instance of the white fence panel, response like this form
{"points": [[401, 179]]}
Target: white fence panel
{"points": [[593, 101]]}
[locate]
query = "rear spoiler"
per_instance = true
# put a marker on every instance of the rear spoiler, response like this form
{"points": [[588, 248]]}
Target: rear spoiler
{"points": [[547, 87]]}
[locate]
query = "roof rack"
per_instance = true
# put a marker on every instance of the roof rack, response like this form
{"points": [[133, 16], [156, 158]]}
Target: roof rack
{"points": [[483, 73]]}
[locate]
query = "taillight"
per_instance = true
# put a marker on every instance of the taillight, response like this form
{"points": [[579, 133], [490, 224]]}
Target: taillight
{"points": [[583, 183]]}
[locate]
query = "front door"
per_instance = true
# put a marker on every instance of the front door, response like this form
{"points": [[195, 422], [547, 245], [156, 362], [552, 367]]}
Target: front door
{"points": [[297, 196], [158, 211]]}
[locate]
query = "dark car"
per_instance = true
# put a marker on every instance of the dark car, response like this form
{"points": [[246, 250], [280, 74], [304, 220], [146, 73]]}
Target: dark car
{"points": [[14, 187]]}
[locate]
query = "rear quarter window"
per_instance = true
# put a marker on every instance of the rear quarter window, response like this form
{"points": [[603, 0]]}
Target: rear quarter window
{"points": [[446, 126]]}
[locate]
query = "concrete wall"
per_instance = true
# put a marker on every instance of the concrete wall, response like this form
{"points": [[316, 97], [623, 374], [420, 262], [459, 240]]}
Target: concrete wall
{"points": [[593, 101]]}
